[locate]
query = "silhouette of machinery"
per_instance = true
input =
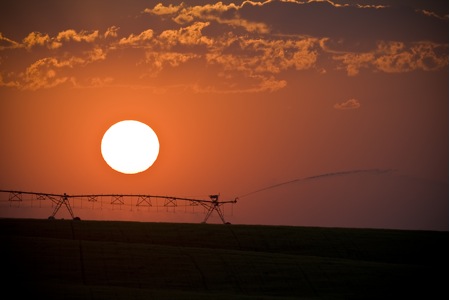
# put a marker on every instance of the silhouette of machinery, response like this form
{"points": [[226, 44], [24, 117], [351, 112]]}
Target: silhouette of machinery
{"points": [[212, 204]]}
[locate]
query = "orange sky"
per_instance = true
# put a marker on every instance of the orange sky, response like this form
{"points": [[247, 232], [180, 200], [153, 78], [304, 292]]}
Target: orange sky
{"points": [[242, 96]]}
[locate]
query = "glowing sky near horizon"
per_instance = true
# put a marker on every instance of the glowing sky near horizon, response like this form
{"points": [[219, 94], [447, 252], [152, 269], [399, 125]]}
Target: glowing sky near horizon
{"points": [[242, 95]]}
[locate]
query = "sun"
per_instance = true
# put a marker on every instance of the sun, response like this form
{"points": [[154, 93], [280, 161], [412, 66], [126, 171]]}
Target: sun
{"points": [[130, 147]]}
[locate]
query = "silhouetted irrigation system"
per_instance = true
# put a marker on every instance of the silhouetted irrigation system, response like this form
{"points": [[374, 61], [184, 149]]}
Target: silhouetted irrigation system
{"points": [[212, 204], [141, 200]]}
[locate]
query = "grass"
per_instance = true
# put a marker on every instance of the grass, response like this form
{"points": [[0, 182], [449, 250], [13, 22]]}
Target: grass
{"points": [[67, 259]]}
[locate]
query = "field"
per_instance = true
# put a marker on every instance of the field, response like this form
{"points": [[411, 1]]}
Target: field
{"points": [[65, 259]]}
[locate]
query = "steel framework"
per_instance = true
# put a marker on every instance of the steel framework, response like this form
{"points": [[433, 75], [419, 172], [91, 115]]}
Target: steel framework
{"points": [[212, 204]]}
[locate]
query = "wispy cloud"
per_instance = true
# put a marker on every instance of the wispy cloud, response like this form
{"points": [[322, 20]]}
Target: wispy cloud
{"points": [[349, 104], [6, 43], [432, 14]]}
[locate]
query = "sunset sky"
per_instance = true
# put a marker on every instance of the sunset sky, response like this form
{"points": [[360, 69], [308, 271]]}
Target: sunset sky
{"points": [[242, 95]]}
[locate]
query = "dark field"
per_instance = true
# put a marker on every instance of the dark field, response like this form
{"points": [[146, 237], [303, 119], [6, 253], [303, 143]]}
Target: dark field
{"points": [[65, 259]]}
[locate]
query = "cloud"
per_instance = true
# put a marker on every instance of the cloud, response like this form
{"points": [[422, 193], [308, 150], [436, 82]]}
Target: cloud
{"points": [[111, 32], [349, 104], [246, 47], [101, 82], [233, 56], [271, 56], [432, 14], [160, 9], [36, 39], [6, 43], [72, 35], [44, 74], [157, 61], [7, 83], [96, 54], [190, 35], [397, 57], [133, 40], [219, 12]]}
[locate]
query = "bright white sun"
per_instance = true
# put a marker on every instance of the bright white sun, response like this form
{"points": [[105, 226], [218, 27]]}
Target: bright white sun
{"points": [[130, 147]]}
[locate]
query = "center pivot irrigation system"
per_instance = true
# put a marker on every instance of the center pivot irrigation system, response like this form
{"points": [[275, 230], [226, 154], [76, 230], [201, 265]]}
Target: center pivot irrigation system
{"points": [[212, 204]]}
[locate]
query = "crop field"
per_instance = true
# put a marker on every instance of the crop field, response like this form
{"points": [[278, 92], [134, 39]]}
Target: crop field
{"points": [[65, 259]]}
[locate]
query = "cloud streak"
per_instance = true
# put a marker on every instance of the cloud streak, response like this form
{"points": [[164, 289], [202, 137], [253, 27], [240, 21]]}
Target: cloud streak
{"points": [[349, 104]]}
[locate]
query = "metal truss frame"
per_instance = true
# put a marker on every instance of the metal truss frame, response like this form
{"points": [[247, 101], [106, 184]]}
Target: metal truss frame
{"points": [[212, 204]]}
